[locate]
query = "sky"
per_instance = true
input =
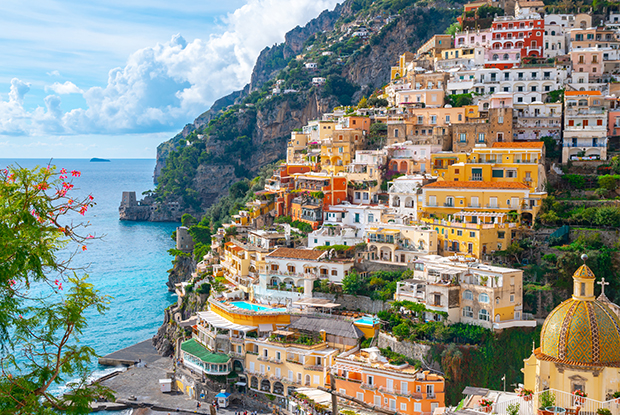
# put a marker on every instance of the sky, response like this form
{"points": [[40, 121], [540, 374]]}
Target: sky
{"points": [[80, 79]]}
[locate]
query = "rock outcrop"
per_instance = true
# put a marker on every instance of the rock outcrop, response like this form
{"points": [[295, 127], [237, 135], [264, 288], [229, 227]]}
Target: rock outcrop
{"points": [[181, 271]]}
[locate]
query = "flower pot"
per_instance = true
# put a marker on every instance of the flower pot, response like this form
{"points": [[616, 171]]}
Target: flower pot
{"points": [[486, 409], [527, 398]]}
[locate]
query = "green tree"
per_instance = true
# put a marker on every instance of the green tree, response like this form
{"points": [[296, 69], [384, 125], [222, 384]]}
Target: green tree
{"points": [[608, 182], [352, 283], [43, 348], [188, 220]]}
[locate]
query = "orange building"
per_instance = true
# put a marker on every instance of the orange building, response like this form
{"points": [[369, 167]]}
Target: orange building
{"points": [[313, 194], [281, 182], [366, 375]]}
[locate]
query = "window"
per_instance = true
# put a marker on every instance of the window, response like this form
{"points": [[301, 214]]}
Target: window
{"points": [[265, 353], [463, 138], [278, 356], [449, 201], [498, 173], [483, 315], [432, 200], [403, 407], [360, 396], [468, 312], [472, 234], [483, 298], [512, 298], [459, 233], [481, 137], [433, 119], [447, 118], [468, 295]]}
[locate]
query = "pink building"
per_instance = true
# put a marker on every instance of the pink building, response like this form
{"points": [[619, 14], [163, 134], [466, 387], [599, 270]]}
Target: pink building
{"points": [[613, 122], [588, 60], [469, 39]]}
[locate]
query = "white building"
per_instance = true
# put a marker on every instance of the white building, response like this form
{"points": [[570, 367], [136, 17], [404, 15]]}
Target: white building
{"points": [[469, 292], [289, 274], [403, 193], [536, 120], [335, 235]]}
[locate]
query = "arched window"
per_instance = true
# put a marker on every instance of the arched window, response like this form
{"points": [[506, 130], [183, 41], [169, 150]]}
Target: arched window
{"points": [[467, 295], [495, 57], [468, 312], [484, 315], [483, 298], [506, 57]]}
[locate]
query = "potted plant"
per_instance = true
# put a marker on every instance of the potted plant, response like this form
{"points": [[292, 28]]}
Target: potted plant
{"points": [[513, 409], [580, 397], [603, 411], [616, 396], [545, 400], [486, 405], [526, 394]]}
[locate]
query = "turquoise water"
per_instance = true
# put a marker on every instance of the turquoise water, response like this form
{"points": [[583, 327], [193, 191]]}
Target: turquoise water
{"points": [[369, 321], [129, 263], [253, 307]]}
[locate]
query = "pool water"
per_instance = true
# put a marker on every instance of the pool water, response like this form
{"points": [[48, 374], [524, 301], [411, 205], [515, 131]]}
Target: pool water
{"points": [[253, 307], [369, 321]]}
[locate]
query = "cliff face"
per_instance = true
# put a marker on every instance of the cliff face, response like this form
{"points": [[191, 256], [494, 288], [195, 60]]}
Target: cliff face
{"points": [[229, 143], [270, 61], [181, 271]]}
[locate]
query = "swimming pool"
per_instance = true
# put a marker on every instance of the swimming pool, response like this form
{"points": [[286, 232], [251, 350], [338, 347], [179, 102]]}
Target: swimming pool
{"points": [[368, 321], [254, 307]]}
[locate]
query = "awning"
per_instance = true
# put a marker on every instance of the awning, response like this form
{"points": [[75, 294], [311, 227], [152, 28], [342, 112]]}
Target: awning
{"points": [[284, 332], [220, 322], [241, 384], [316, 302], [265, 327]]}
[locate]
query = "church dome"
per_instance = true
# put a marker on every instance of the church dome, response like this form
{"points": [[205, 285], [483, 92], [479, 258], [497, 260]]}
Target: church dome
{"points": [[581, 330]]}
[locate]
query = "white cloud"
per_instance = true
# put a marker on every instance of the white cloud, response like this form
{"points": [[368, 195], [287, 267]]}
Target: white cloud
{"points": [[167, 85], [53, 73], [67, 88]]}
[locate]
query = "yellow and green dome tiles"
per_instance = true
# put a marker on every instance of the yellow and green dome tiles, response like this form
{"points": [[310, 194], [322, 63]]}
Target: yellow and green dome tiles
{"points": [[583, 333], [584, 272]]}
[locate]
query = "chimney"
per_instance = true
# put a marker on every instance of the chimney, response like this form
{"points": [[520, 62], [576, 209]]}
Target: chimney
{"points": [[323, 335]]}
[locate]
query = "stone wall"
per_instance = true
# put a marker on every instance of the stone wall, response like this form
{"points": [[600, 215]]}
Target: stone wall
{"points": [[413, 350], [351, 302]]}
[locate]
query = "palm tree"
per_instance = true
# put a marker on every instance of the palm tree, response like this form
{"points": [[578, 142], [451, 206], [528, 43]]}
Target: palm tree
{"points": [[567, 5]]}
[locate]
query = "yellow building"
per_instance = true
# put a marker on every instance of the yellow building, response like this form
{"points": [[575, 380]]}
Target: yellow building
{"points": [[401, 70], [443, 199], [504, 162], [300, 354], [579, 349], [477, 217], [474, 239], [242, 263], [336, 156]]}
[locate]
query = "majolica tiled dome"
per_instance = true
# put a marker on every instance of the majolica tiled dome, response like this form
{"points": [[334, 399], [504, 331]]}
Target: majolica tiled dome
{"points": [[581, 332]]}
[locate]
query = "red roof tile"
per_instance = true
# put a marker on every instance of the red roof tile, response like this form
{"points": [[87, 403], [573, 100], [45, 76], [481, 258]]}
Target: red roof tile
{"points": [[297, 253]]}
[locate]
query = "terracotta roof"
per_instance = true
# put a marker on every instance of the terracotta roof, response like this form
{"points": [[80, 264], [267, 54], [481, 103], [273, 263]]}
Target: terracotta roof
{"points": [[574, 93], [297, 253], [477, 185], [534, 144]]}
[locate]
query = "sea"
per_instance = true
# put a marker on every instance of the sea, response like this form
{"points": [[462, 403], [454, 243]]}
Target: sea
{"points": [[129, 262]]}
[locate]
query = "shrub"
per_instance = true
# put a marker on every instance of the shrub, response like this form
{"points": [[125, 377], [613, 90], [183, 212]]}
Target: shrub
{"points": [[576, 181]]}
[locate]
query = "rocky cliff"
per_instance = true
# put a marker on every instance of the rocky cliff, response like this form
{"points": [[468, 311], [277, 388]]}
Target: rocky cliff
{"points": [[181, 271], [248, 129]]}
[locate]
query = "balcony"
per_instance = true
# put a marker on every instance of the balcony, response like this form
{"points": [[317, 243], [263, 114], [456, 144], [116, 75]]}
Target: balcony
{"points": [[448, 204], [368, 386], [315, 368], [584, 145]]}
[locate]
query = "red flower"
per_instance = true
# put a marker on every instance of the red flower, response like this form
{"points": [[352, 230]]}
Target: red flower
{"points": [[63, 170], [83, 210], [90, 197], [84, 248], [12, 282], [75, 173]]}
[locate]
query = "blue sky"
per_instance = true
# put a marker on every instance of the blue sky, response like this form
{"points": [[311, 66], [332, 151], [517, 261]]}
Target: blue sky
{"points": [[115, 79]]}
